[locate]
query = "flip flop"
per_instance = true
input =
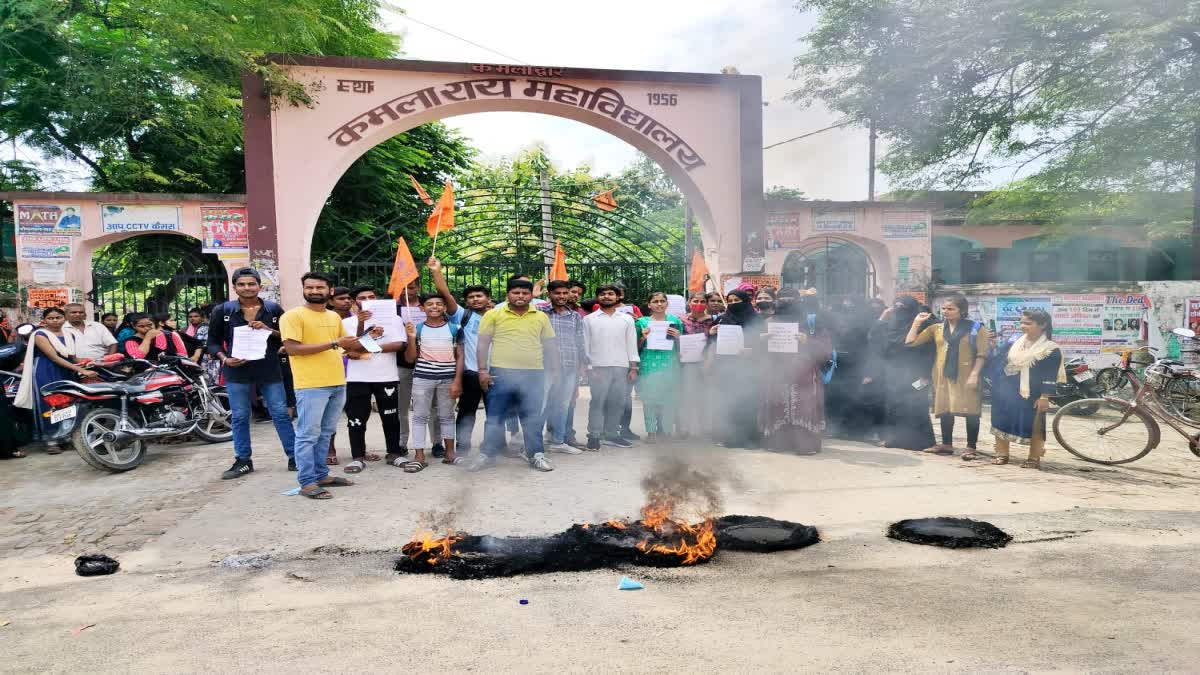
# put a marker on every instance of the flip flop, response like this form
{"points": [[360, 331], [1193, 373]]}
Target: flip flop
{"points": [[355, 467], [319, 493], [331, 461], [372, 457], [456, 460], [413, 467], [336, 481]]}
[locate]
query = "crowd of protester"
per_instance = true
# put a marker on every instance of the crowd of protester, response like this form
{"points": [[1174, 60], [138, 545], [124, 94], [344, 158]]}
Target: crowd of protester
{"points": [[857, 370]]}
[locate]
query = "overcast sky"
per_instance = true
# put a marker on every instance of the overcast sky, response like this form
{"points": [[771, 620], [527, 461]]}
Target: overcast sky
{"points": [[758, 37]]}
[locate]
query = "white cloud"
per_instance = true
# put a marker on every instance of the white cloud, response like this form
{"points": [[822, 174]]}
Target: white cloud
{"points": [[759, 37]]}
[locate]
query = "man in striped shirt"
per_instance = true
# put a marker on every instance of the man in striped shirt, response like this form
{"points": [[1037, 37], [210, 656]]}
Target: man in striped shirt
{"points": [[564, 388], [437, 379]]}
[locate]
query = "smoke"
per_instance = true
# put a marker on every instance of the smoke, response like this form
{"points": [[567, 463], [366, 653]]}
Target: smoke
{"points": [[444, 519], [689, 484]]}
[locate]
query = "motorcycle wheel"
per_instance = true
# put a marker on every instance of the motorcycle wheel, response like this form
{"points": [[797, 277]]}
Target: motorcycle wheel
{"points": [[217, 427], [93, 449]]}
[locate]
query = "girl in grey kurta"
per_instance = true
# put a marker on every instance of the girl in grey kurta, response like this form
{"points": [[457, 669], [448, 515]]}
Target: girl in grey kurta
{"points": [[962, 347]]}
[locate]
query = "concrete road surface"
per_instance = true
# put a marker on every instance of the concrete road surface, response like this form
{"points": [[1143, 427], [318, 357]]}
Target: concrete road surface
{"points": [[1103, 575]]}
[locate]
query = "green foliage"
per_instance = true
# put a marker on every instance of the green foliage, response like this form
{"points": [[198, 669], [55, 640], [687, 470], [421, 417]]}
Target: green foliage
{"points": [[784, 193], [1092, 96]]}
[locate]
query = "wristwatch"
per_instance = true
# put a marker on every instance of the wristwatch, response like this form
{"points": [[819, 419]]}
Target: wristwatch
{"points": [[333, 345]]}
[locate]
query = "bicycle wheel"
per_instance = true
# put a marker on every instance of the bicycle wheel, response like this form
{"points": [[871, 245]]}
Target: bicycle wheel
{"points": [[1180, 397], [1110, 380], [1091, 439]]}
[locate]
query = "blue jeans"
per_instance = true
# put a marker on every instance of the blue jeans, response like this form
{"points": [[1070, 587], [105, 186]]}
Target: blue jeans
{"points": [[520, 391], [317, 413], [560, 406], [240, 402]]}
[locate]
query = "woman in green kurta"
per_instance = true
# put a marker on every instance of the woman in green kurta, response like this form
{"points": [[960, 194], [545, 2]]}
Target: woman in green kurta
{"points": [[658, 380], [962, 346]]}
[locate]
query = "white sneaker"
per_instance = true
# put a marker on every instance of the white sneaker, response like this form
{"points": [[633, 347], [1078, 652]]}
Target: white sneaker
{"points": [[564, 449], [540, 462]]}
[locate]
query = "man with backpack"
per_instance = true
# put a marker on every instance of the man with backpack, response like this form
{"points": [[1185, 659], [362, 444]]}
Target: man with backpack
{"points": [[434, 349], [242, 377]]}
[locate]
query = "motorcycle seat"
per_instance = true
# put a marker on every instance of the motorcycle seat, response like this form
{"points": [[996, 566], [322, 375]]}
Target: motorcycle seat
{"points": [[130, 388]]}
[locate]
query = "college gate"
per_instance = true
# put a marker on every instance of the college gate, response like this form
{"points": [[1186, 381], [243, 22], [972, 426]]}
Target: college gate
{"points": [[704, 130]]}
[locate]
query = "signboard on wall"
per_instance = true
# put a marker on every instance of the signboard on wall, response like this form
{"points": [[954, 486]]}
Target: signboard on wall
{"points": [[48, 219], [44, 247], [783, 231], [731, 281], [224, 229], [1123, 317], [1008, 313], [1077, 321], [905, 225], [1193, 314], [43, 297], [139, 218], [833, 221]]}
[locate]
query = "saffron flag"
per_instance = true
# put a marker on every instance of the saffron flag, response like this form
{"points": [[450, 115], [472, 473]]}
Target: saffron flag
{"points": [[421, 191], [559, 271], [404, 270], [442, 218], [605, 202], [699, 273]]}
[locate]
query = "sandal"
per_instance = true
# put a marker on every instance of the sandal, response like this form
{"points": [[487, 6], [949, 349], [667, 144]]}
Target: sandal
{"points": [[391, 458], [969, 454], [1031, 464], [1000, 460], [317, 492], [16, 454], [355, 467], [331, 460], [53, 450], [412, 467], [940, 449], [455, 460], [372, 457], [335, 481]]}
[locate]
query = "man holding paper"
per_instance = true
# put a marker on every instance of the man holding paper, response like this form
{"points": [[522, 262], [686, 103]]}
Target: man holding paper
{"points": [[373, 375], [250, 363]]}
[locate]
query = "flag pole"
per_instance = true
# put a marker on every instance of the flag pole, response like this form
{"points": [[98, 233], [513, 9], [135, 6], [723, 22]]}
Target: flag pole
{"points": [[433, 253]]}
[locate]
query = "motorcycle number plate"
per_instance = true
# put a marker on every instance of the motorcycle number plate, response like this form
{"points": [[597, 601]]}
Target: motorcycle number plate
{"points": [[1084, 376], [62, 414]]}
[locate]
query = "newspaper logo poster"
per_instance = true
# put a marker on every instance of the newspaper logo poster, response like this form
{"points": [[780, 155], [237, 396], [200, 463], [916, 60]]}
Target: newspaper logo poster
{"points": [[42, 219], [1123, 317], [1009, 310], [224, 229], [1077, 323], [139, 218], [44, 247]]}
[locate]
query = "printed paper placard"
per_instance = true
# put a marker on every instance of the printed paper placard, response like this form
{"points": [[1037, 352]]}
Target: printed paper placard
{"points": [[42, 219], [139, 218], [224, 229], [44, 247]]}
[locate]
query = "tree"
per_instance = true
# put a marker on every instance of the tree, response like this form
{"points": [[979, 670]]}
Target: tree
{"points": [[1098, 99], [784, 193]]}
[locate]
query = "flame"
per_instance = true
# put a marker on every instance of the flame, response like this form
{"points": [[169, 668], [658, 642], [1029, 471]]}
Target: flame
{"points": [[618, 524], [696, 542], [433, 551]]}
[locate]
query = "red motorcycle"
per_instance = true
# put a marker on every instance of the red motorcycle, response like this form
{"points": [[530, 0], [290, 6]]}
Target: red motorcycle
{"points": [[111, 421]]}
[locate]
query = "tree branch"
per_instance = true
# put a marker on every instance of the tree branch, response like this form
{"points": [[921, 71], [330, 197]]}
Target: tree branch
{"points": [[78, 153]]}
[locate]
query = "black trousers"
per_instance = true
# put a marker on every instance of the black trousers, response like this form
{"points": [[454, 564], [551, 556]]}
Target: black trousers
{"points": [[948, 430], [358, 412], [468, 408]]}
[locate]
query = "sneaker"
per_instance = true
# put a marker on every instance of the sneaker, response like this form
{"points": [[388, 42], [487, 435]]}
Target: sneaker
{"points": [[593, 443], [576, 444], [564, 449], [617, 441], [291, 463], [630, 436], [439, 450], [540, 462], [240, 468], [480, 462]]}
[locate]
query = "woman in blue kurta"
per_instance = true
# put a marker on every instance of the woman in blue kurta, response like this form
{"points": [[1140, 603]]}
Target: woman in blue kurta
{"points": [[1023, 378]]}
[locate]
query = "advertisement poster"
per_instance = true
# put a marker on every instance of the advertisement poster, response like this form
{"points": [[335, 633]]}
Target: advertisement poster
{"points": [[1123, 316], [1193, 314], [54, 296], [1077, 323], [783, 231], [1008, 313], [139, 218], [905, 225], [224, 229], [43, 219], [731, 281], [44, 247], [833, 221]]}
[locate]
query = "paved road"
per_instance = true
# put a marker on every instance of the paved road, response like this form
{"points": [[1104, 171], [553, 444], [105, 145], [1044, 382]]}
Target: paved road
{"points": [[1102, 575]]}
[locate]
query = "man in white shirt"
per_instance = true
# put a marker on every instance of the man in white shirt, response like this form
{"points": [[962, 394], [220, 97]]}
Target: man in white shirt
{"points": [[92, 339], [372, 376], [612, 355]]}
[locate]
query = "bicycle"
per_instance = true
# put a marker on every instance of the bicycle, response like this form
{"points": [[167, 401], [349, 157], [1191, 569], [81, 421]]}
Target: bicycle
{"points": [[1122, 431]]}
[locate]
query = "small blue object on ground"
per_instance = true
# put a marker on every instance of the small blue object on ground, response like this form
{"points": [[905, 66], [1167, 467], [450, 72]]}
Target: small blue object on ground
{"points": [[524, 601], [291, 493], [628, 584]]}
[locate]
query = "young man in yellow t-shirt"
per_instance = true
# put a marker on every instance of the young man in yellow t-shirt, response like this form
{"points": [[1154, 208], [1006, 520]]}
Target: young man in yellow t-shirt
{"points": [[313, 337]]}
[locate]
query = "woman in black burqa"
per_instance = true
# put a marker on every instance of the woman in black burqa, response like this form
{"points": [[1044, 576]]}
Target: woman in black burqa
{"points": [[906, 407], [740, 377]]}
